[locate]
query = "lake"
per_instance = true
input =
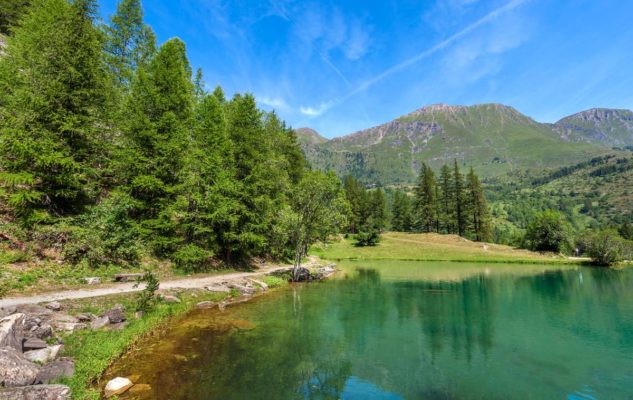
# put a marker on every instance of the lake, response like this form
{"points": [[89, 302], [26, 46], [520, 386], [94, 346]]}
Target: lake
{"points": [[405, 330]]}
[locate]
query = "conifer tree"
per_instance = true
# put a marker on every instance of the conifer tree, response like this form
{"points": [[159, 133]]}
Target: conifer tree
{"points": [[160, 110], [479, 218], [446, 210], [10, 13], [358, 201], [378, 210], [425, 205], [401, 212], [458, 199], [52, 95], [129, 43]]}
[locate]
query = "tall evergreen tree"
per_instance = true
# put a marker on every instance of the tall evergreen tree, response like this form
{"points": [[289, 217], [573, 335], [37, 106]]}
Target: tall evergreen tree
{"points": [[53, 92], [378, 210], [479, 214], [425, 205], [458, 198], [160, 111], [357, 197], [401, 212], [129, 43], [446, 209], [10, 13]]}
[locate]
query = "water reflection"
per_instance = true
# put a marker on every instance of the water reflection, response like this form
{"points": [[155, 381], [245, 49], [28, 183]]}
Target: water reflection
{"points": [[481, 333]]}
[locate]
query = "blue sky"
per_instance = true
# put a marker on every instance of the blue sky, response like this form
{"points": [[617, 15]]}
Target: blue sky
{"points": [[342, 66]]}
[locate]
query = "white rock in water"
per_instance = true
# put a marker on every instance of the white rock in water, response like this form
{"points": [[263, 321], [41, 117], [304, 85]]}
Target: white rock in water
{"points": [[117, 386]]}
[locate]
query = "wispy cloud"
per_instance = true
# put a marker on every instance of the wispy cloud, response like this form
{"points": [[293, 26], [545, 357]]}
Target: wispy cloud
{"points": [[274, 102], [487, 19]]}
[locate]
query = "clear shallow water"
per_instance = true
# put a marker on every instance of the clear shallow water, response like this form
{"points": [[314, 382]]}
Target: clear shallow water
{"points": [[406, 330]]}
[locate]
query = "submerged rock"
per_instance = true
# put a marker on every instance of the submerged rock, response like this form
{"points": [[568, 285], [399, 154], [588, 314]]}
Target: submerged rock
{"points": [[117, 386], [37, 392], [15, 369]]}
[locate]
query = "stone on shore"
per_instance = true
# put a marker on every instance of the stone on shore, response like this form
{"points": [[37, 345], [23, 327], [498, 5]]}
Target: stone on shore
{"points": [[54, 306], [42, 356], [92, 280], [15, 369], [116, 314], [261, 284], [169, 299], [33, 344], [217, 287], [205, 304], [37, 392], [63, 367], [11, 331], [99, 322], [117, 386], [244, 290]]}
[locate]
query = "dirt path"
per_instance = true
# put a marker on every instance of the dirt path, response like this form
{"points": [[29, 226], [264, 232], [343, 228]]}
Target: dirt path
{"points": [[186, 283]]}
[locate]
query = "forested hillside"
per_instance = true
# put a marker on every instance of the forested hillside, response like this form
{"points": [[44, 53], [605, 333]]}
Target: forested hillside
{"points": [[112, 151]]}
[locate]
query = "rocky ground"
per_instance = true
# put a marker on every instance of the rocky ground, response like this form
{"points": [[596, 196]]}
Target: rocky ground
{"points": [[32, 335]]}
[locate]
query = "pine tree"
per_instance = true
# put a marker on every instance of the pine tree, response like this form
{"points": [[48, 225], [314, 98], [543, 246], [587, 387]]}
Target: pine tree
{"points": [[129, 42], [157, 133], [425, 205], [446, 210], [378, 208], [458, 199], [357, 198], [479, 218], [10, 13], [54, 90], [401, 212]]}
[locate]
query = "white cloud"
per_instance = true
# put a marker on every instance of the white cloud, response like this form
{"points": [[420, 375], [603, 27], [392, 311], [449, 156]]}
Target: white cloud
{"points": [[276, 103], [316, 111]]}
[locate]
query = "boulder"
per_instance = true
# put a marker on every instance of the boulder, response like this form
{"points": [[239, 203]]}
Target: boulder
{"points": [[11, 331], [245, 290], [34, 310], [64, 367], [99, 322], [8, 310], [85, 317], [42, 331], [54, 306], [33, 344], [92, 280], [37, 392], [116, 314], [117, 386], [302, 275], [205, 304], [218, 287], [42, 356], [15, 369], [170, 299], [261, 284]]}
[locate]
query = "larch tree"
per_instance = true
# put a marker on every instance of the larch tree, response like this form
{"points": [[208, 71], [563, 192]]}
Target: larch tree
{"points": [[479, 218], [458, 200], [425, 204], [446, 208]]}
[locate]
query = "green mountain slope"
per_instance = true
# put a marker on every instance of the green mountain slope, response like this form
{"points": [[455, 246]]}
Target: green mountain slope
{"points": [[599, 125], [493, 138], [307, 136]]}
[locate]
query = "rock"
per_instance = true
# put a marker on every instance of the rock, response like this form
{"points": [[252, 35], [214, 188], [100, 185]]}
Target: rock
{"points": [[261, 284], [117, 327], [217, 287], [92, 280], [8, 310], [42, 356], [34, 310], [140, 388], [117, 386], [205, 304], [70, 326], [99, 322], [303, 275], [33, 344], [41, 332], [116, 314], [37, 392], [127, 277], [11, 331], [65, 322], [54, 306], [15, 369], [64, 367], [85, 317], [139, 314], [171, 299], [245, 290]]}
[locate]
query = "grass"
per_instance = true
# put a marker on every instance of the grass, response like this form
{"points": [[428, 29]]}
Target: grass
{"points": [[431, 247]]}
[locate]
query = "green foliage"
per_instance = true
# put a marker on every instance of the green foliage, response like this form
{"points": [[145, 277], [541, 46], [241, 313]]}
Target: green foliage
{"points": [[191, 258], [364, 239], [606, 247], [368, 208], [10, 13], [425, 203], [549, 231], [401, 212], [146, 298]]}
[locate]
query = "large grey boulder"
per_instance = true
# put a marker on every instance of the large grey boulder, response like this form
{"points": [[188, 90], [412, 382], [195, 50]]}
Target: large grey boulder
{"points": [[15, 369], [11, 331], [37, 392], [42, 356], [99, 322], [63, 367], [116, 314]]}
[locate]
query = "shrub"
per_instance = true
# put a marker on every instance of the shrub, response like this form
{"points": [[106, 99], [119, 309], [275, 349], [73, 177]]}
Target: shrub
{"points": [[370, 238], [146, 299], [191, 258], [549, 231], [606, 247]]}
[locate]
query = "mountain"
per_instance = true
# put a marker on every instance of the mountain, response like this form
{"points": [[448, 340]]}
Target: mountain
{"points": [[307, 137], [492, 138], [604, 126]]}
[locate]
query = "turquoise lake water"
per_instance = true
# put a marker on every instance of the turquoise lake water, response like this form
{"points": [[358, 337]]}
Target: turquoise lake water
{"points": [[406, 330]]}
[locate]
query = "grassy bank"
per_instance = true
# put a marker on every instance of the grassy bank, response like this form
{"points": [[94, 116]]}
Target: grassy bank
{"points": [[431, 247], [94, 351]]}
